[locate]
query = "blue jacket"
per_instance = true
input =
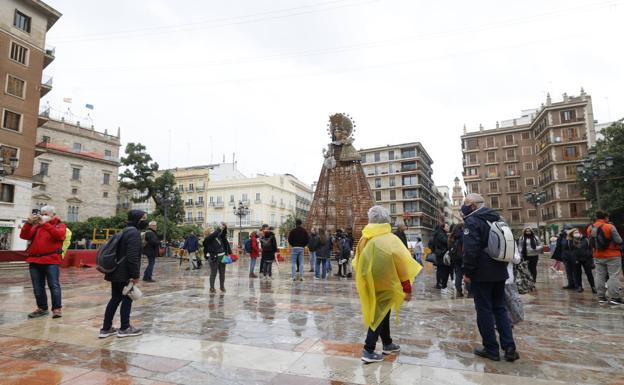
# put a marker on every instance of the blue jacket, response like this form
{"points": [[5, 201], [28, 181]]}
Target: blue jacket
{"points": [[477, 265], [191, 244]]}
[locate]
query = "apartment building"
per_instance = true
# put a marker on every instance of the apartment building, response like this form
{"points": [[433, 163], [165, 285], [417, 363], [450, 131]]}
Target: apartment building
{"points": [[400, 179], [445, 204], [23, 57], [538, 151]]}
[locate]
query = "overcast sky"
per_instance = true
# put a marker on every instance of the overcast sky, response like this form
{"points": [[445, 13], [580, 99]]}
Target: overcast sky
{"points": [[194, 80]]}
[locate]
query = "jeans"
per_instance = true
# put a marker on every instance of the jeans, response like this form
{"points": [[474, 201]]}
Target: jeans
{"points": [[418, 257], [217, 266], [321, 264], [126, 306], [147, 274], [383, 331], [252, 265], [39, 274], [578, 276], [312, 260], [192, 258], [611, 267], [297, 261], [532, 262], [489, 298]]}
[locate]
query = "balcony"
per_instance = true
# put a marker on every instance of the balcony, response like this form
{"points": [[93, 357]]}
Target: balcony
{"points": [[548, 216], [188, 204], [199, 204], [470, 148], [190, 189], [282, 205], [199, 219], [512, 173], [200, 189], [219, 205], [510, 144], [39, 179], [471, 177], [545, 180], [46, 85], [273, 203], [245, 201], [568, 157], [544, 163], [49, 55]]}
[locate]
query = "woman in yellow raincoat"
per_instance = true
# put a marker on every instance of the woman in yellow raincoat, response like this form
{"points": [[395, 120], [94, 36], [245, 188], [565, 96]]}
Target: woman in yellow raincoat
{"points": [[384, 272]]}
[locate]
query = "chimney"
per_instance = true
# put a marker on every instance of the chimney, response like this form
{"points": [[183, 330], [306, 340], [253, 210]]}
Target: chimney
{"points": [[548, 100], [497, 124], [583, 92], [480, 127], [565, 97]]}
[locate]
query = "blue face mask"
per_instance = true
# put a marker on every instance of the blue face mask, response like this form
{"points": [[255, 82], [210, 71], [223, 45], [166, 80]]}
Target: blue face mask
{"points": [[466, 210]]}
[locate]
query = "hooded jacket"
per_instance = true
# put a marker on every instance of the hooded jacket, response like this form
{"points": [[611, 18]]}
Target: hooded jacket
{"points": [[477, 265], [46, 244], [384, 271], [130, 247], [255, 248]]}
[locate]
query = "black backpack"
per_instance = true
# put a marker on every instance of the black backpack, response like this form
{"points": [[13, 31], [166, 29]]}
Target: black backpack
{"points": [[345, 248], [265, 244], [598, 239], [106, 258]]}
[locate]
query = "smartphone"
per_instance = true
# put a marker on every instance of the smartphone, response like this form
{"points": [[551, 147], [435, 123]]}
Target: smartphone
{"points": [[35, 212]]}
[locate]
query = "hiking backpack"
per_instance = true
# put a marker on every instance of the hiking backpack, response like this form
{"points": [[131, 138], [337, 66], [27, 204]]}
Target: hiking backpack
{"points": [[598, 239], [106, 258], [501, 245]]}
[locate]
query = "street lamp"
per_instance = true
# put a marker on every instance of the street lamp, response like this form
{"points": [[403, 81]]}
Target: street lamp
{"points": [[592, 171], [8, 169], [536, 198], [240, 211], [164, 201]]}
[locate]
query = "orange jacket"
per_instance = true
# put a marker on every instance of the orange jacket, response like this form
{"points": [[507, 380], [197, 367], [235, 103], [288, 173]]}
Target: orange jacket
{"points": [[614, 248]]}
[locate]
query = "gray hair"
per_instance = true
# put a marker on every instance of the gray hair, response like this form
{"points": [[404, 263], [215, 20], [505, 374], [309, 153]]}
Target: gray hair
{"points": [[378, 214], [153, 223], [49, 209], [476, 199]]}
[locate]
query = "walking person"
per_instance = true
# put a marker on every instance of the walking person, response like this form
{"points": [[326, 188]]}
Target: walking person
{"points": [[440, 247], [384, 272], [151, 250], [419, 249], [323, 254], [46, 234], [530, 248], [487, 279], [607, 243], [313, 245], [298, 239], [215, 251], [568, 263], [577, 246], [191, 245], [254, 240], [269, 249], [400, 232], [455, 245], [127, 271]]}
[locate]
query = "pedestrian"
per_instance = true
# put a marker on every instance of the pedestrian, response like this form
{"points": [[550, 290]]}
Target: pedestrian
{"points": [[530, 248], [400, 232], [556, 256], [126, 272], [191, 246], [151, 249], [269, 249], [487, 279], [215, 251], [455, 245], [580, 253], [298, 239], [440, 247], [607, 243], [419, 250], [384, 272], [313, 245], [227, 247], [255, 252], [568, 263], [46, 234], [323, 253]]}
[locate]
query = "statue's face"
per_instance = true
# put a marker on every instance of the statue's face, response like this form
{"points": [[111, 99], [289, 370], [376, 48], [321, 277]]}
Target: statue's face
{"points": [[339, 134]]}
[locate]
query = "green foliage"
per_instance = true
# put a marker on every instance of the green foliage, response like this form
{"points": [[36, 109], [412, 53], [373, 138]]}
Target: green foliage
{"points": [[611, 184], [164, 188], [288, 225], [85, 229]]}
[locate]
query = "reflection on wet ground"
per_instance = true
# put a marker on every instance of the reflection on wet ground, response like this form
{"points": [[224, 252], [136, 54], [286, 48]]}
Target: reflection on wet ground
{"points": [[304, 333]]}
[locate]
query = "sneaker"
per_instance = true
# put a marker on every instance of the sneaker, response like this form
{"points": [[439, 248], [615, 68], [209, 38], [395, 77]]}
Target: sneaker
{"points": [[616, 301], [131, 331], [107, 332], [311, 271], [369, 357], [460, 294], [602, 300], [148, 280], [511, 355], [213, 290], [301, 278], [38, 313], [392, 348], [222, 290], [349, 275], [481, 352], [316, 278], [56, 313], [580, 290], [594, 291]]}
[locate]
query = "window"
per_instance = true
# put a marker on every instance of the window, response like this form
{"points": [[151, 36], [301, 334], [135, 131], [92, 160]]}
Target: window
{"points": [[378, 196], [410, 207], [19, 53], [377, 156], [72, 214], [363, 158], [472, 159], [377, 182], [568, 115], [492, 172], [408, 166], [45, 139], [490, 142], [6, 153], [105, 194], [515, 216], [106, 178], [231, 198], [219, 199], [181, 187], [75, 173], [108, 153], [410, 180], [493, 186], [7, 192], [74, 191], [509, 140], [191, 187], [12, 120], [189, 216], [571, 171], [15, 86], [513, 185], [513, 201], [21, 21], [491, 156], [408, 152], [392, 208], [570, 134], [472, 144], [570, 153], [511, 154], [472, 171], [77, 147], [511, 170], [574, 211], [392, 181], [532, 213], [411, 193], [200, 200], [392, 195], [474, 187], [245, 197], [391, 155], [529, 182], [574, 190], [257, 197], [527, 150], [43, 168], [494, 203], [526, 135], [529, 166]]}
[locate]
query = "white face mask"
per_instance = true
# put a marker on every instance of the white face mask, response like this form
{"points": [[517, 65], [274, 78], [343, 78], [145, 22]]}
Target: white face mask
{"points": [[45, 218]]}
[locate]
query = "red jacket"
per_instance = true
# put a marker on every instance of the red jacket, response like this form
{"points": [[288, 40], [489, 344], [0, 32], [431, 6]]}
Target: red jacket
{"points": [[255, 251], [46, 241]]}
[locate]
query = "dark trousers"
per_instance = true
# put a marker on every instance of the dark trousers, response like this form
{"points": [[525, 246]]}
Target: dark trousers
{"points": [[489, 298], [39, 274], [266, 267], [117, 297], [217, 266], [578, 276], [459, 277], [532, 263], [383, 331], [151, 261], [569, 270], [442, 275]]}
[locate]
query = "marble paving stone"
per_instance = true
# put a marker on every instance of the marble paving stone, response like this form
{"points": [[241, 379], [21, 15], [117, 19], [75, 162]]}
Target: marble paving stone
{"points": [[340, 369]]}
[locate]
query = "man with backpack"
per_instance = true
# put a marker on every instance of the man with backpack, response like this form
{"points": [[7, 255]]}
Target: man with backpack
{"points": [[606, 243], [487, 277]]}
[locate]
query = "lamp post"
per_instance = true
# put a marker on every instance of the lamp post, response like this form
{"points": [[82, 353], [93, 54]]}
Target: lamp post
{"points": [[592, 170], [8, 169], [240, 211], [536, 198]]}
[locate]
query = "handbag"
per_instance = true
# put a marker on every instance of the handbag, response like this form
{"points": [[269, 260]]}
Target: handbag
{"points": [[234, 257], [431, 257], [523, 278], [226, 259], [446, 259], [132, 291], [513, 303]]}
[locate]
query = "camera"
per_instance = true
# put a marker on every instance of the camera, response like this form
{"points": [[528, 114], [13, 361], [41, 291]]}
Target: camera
{"points": [[36, 212]]}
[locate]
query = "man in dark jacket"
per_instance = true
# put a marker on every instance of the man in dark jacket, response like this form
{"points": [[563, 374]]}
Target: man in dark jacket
{"points": [[313, 245], [151, 249], [400, 232], [128, 270], [487, 279], [191, 245], [298, 239]]}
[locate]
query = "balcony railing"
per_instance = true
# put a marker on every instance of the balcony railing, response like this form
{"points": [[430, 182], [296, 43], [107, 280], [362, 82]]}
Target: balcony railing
{"points": [[567, 157], [46, 85], [545, 180], [511, 173], [49, 55], [199, 204], [219, 205]]}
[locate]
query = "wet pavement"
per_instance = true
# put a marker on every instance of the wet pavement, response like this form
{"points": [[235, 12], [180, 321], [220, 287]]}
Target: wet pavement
{"points": [[303, 333]]}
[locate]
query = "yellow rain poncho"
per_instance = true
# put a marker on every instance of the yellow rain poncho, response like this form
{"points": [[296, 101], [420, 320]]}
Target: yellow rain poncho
{"points": [[381, 263]]}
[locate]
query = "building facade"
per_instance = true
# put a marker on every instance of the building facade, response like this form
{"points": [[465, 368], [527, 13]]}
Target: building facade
{"points": [[537, 152], [23, 57], [76, 170], [458, 201], [400, 178], [445, 204]]}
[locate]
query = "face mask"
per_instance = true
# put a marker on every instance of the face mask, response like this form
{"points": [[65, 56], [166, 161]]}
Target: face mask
{"points": [[577, 236], [142, 225], [45, 218], [466, 210]]}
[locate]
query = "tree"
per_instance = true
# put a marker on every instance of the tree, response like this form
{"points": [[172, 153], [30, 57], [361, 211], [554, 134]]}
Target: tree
{"points": [[139, 172], [288, 225], [611, 185], [164, 190]]}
